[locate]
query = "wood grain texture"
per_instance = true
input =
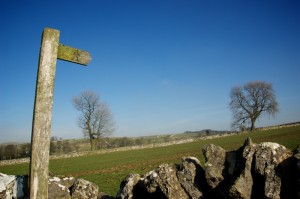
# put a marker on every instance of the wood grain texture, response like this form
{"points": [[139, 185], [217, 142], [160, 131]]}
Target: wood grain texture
{"points": [[41, 126], [75, 55]]}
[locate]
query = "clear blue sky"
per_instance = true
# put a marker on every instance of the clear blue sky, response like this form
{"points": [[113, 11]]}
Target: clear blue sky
{"points": [[162, 66]]}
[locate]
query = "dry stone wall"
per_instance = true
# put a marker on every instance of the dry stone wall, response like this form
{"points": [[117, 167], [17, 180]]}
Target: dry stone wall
{"points": [[254, 171]]}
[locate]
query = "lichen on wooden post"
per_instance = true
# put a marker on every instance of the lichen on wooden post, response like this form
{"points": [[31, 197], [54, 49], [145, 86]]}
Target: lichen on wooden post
{"points": [[50, 51], [75, 55], [41, 126]]}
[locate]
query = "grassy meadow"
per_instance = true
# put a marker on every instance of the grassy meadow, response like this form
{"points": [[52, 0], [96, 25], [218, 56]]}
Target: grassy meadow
{"points": [[107, 170]]}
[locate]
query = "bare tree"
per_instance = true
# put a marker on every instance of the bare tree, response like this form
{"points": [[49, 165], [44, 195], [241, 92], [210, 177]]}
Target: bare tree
{"points": [[251, 101], [96, 119]]}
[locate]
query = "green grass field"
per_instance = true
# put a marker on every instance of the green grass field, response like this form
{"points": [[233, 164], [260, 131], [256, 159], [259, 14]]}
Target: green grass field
{"points": [[107, 170]]}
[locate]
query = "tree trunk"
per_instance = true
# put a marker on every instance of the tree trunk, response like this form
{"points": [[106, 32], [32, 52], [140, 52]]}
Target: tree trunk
{"points": [[92, 144], [252, 124]]}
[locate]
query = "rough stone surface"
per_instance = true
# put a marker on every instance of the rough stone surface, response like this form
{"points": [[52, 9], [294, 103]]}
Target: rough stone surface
{"points": [[297, 169], [13, 186], [102, 195], [7, 186], [127, 186], [267, 157], [167, 182], [242, 186], [189, 176], [60, 187], [67, 181], [215, 158], [58, 191], [84, 189]]}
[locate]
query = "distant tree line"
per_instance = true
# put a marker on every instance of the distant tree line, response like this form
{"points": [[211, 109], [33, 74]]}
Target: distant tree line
{"points": [[57, 146], [14, 151], [63, 147], [128, 141], [209, 132]]}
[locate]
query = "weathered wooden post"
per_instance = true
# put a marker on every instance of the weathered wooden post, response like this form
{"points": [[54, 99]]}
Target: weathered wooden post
{"points": [[50, 51]]}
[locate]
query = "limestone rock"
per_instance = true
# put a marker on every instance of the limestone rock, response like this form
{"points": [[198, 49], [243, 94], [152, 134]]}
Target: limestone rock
{"points": [[267, 157], [102, 195], [215, 158], [84, 189], [149, 182], [162, 183], [242, 186], [189, 176], [58, 191], [127, 186], [67, 181], [297, 172], [7, 186], [12, 186], [168, 183]]}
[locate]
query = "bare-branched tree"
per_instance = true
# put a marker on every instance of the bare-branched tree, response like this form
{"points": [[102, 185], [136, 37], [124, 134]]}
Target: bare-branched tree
{"points": [[96, 119], [251, 101]]}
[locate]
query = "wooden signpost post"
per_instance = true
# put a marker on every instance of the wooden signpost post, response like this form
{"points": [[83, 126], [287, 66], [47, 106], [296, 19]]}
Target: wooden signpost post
{"points": [[50, 51]]}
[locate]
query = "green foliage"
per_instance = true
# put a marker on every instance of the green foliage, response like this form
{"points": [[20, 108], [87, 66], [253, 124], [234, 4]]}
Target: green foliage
{"points": [[107, 170]]}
